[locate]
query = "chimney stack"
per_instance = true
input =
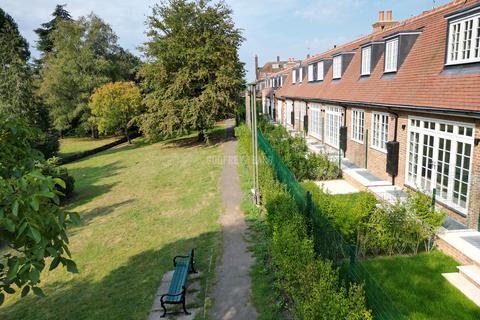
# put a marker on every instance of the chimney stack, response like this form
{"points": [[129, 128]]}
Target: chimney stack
{"points": [[381, 16], [256, 67], [383, 23], [389, 15]]}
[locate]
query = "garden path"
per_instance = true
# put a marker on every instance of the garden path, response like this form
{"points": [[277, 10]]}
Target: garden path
{"points": [[232, 290]]}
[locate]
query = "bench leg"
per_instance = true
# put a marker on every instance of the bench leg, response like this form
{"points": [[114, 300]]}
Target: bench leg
{"points": [[184, 307], [164, 309]]}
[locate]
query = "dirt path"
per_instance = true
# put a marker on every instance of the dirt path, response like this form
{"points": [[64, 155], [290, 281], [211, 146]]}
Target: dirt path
{"points": [[232, 291]]}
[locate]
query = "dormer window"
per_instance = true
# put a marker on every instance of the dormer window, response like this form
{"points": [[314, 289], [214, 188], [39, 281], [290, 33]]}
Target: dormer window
{"points": [[366, 61], [300, 72], [464, 40], [337, 67], [391, 55], [294, 76], [310, 73], [320, 66]]}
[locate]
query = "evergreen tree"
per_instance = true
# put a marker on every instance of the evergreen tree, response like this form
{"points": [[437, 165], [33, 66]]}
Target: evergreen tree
{"points": [[17, 97], [15, 73], [45, 41], [193, 76]]}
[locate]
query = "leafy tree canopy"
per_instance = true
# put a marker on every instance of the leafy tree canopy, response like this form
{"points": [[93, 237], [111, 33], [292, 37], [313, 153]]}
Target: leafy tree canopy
{"points": [[15, 77], [45, 41], [193, 76], [83, 59], [17, 86], [115, 106], [32, 223]]}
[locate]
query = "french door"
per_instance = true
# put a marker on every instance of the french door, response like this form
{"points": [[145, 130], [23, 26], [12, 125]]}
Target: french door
{"points": [[288, 115], [315, 126], [333, 122], [439, 158]]}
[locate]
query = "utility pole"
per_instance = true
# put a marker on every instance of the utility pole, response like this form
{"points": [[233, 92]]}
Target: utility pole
{"points": [[253, 104]]}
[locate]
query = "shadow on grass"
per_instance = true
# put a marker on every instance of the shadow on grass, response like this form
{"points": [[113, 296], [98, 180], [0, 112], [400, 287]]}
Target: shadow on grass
{"points": [[86, 178], [216, 136], [124, 293]]}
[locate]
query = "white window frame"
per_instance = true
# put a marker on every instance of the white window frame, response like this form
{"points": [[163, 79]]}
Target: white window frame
{"points": [[464, 45], [380, 138], [320, 70], [391, 55], [337, 67], [358, 125], [333, 122], [315, 128], [288, 111], [294, 76], [455, 136], [366, 61], [310, 73], [300, 72]]}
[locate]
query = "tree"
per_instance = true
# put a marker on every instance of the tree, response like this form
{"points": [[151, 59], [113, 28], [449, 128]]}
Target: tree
{"points": [[15, 74], [115, 106], [16, 85], [45, 40], [32, 223], [83, 60], [193, 76]]}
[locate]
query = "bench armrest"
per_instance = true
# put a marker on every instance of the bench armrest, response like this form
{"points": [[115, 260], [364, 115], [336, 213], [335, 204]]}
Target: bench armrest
{"points": [[175, 259], [173, 295]]}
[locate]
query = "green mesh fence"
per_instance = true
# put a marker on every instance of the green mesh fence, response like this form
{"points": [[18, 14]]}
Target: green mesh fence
{"points": [[329, 242]]}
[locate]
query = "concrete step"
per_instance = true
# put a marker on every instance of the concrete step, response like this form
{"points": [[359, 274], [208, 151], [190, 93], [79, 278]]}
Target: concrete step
{"points": [[471, 273], [389, 193], [365, 178], [471, 291], [454, 245]]}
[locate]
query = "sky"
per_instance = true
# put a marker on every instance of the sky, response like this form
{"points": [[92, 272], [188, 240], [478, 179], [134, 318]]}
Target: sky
{"points": [[285, 28]]}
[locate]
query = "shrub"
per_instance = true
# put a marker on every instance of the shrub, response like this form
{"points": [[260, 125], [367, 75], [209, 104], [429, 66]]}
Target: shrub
{"points": [[32, 223], [52, 169], [312, 284], [295, 154]]}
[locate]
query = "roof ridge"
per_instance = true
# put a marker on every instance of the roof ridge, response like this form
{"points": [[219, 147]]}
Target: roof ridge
{"points": [[400, 23]]}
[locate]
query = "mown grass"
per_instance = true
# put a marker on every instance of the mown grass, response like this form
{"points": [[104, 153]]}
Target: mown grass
{"points": [[418, 289], [140, 205], [71, 145], [415, 283]]}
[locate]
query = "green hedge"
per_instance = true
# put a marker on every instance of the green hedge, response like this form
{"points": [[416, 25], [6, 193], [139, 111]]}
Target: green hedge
{"points": [[312, 284]]}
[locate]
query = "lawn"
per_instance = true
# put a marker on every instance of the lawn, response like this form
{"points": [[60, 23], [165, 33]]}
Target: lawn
{"points": [[415, 283], [70, 146], [418, 289], [140, 206]]}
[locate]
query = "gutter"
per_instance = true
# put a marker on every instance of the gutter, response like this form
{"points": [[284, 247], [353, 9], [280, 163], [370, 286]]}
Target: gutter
{"points": [[436, 110]]}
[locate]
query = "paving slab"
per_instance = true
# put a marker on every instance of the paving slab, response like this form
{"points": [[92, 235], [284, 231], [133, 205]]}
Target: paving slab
{"points": [[464, 285], [336, 186]]}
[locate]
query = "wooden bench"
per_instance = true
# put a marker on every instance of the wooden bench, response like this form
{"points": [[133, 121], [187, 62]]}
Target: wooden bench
{"points": [[178, 286]]}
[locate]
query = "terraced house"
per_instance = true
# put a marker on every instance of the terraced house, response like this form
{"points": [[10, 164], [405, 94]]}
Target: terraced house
{"points": [[403, 103]]}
